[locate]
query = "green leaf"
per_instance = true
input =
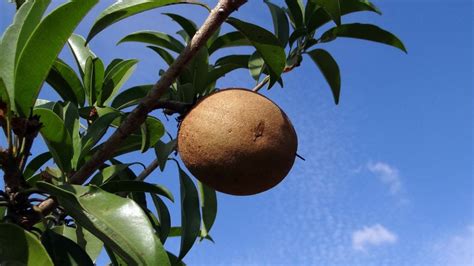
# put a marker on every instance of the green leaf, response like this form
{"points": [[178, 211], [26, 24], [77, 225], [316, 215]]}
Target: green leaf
{"points": [[85, 239], [163, 151], [188, 26], [155, 38], [208, 201], [330, 70], [295, 8], [190, 214], [20, 247], [57, 137], [42, 48], [364, 32], [280, 23], [66, 83], [64, 251], [152, 131], [167, 57], [80, 51], [35, 164], [123, 9], [114, 80], [72, 124], [164, 216], [198, 67], [255, 65], [119, 222], [13, 41], [332, 7], [130, 144], [231, 39], [319, 16], [115, 260], [97, 130], [93, 78], [130, 96], [266, 44], [136, 186], [241, 60], [108, 173]]}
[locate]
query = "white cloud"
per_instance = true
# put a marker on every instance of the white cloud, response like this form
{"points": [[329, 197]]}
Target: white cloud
{"points": [[386, 174], [456, 250], [375, 235]]}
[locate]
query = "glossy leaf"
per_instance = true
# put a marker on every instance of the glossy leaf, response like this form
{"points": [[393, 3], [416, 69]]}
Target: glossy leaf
{"points": [[164, 216], [64, 81], [208, 200], [35, 164], [188, 26], [136, 186], [108, 173], [332, 8], [85, 239], [295, 10], [231, 39], [364, 32], [93, 79], [280, 23], [163, 151], [130, 96], [152, 131], [119, 222], [20, 247], [190, 214], [330, 70], [255, 65], [57, 138], [13, 41], [43, 47], [80, 51], [320, 17], [64, 251], [123, 9], [266, 44], [114, 80], [155, 38]]}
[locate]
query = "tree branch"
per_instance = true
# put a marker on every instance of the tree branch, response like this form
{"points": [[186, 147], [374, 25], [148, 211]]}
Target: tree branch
{"points": [[133, 121]]}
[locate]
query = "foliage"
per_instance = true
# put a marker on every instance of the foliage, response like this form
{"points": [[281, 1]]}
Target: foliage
{"points": [[117, 209]]}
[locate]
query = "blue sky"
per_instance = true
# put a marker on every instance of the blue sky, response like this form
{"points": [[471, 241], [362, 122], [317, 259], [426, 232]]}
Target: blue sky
{"points": [[388, 176]]}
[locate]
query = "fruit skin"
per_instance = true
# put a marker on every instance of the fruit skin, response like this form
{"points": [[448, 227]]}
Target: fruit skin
{"points": [[238, 142]]}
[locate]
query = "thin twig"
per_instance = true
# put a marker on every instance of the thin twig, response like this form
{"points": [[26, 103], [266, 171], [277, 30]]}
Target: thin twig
{"points": [[148, 170], [133, 121]]}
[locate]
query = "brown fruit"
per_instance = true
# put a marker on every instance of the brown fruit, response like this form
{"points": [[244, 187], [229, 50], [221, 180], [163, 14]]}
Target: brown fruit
{"points": [[237, 142]]}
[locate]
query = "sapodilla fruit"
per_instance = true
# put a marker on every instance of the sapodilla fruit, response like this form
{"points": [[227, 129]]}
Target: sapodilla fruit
{"points": [[237, 142]]}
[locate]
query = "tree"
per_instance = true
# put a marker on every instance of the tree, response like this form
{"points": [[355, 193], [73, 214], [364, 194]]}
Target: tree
{"points": [[67, 213]]}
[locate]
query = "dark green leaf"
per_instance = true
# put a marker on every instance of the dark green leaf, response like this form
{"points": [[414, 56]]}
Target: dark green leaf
{"points": [[241, 60], [114, 80], [119, 222], [124, 9], [19, 247], [164, 216], [57, 138], [65, 82], [136, 186], [295, 8], [64, 251], [198, 67], [87, 241], [190, 214], [266, 44], [329, 69], [13, 41], [97, 130], [155, 38], [108, 173], [167, 57], [35, 164], [43, 47], [231, 39], [332, 8], [188, 26], [297, 34], [208, 201], [280, 22], [152, 131], [93, 78], [365, 32], [163, 151], [115, 260], [174, 260], [319, 16], [130, 96], [256, 65]]}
